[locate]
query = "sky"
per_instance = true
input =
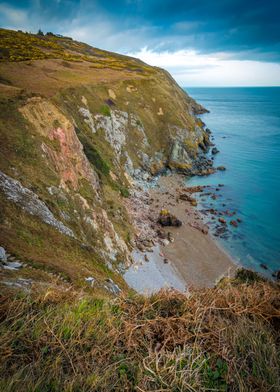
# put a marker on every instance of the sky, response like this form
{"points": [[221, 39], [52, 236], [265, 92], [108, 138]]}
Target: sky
{"points": [[200, 42]]}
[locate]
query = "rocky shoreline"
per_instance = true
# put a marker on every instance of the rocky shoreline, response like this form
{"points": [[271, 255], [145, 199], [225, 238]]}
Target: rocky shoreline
{"points": [[159, 205], [164, 211]]}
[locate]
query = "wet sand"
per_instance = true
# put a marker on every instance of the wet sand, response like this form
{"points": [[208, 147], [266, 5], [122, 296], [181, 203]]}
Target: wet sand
{"points": [[149, 273]]}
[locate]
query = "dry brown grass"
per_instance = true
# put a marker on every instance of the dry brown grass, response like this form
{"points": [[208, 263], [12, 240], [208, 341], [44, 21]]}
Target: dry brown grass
{"points": [[221, 339], [47, 77]]}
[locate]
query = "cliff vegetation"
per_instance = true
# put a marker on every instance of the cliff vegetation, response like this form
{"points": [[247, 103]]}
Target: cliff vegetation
{"points": [[80, 129], [220, 339]]}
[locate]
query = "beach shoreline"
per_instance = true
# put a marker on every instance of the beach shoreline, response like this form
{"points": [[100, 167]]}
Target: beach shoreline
{"points": [[194, 255]]}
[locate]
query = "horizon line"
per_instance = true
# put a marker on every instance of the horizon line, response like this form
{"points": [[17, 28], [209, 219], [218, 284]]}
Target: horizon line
{"points": [[277, 86]]}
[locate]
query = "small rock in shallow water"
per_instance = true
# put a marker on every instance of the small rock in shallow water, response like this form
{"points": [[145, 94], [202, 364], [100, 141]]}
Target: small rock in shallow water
{"points": [[234, 223], [264, 266], [221, 168], [146, 258], [223, 221], [215, 150]]}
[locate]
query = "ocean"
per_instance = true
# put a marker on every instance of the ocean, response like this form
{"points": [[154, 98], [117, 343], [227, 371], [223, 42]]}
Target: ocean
{"points": [[245, 123]]}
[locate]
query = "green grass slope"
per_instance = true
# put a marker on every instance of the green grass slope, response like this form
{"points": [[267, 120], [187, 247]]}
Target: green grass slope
{"points": [[45, 82]]}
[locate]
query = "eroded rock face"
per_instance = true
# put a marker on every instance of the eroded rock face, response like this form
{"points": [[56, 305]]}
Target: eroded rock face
{"points": [[115, 127], [179, 157], [88, 118], [30, 203], [113, 243], [67, 153], [187, 151]]}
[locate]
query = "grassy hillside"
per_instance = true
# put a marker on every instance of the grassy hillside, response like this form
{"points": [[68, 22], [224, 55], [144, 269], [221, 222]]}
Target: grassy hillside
{"points": [[221, 339], [79, 127], [72, 117]]}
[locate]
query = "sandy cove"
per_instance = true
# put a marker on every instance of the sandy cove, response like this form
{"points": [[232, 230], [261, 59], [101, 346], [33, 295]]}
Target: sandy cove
{"points": [[188, 252]]}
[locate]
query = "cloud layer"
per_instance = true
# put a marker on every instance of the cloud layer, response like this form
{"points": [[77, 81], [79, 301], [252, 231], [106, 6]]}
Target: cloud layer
{"points": [[202, 36], [192, 69]]}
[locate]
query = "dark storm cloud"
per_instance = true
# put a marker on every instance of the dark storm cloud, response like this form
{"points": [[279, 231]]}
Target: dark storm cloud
{"points": [[248, 29]]}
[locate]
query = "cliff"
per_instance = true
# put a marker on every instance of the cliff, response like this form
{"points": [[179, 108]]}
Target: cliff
{"points": [[79, 128], [82, 131]]}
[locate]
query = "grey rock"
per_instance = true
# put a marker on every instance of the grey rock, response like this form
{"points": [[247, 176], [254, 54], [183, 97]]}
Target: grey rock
{"points": [[221, 168], [147, 243], [90, 280], [30, 203], [20, 283], [13, 265], [215, 150], [112, 286], [179, 154], [3, 256]]}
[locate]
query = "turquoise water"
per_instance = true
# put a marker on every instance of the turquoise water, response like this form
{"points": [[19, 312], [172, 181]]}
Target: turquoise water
{"points": [[246, 126]]}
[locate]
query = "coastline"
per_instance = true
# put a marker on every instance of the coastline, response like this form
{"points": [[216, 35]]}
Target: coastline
{"points": [[187, 254]]}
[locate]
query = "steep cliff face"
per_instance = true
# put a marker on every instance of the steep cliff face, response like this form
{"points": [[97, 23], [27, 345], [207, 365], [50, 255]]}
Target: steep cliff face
{"points": [[77, 132]]}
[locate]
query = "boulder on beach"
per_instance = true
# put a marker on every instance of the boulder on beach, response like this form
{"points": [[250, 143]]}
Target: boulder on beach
{"points": [[185, 196], [162, 234], [167, 219], [193, 189]]}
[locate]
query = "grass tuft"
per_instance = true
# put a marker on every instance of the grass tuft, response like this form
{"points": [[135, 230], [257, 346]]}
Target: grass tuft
{"points": [[214, 339]]}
